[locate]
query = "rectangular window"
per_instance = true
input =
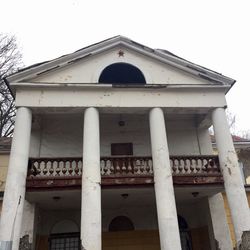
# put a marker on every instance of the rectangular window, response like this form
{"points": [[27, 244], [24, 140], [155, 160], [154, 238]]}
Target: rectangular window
{"points": [[121, 148], [65, 242]]}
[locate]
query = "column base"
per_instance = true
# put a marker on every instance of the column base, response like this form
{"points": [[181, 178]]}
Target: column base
{"points": [[6, 245], [245, 241], [24, 243]]}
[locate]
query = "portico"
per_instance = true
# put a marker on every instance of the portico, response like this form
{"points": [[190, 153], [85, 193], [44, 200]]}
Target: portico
{"points": [[73, 146]]}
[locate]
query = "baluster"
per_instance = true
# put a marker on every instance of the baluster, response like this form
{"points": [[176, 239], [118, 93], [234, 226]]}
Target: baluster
{"points": [[147, 167], [138, 165], [69, 167], [73, 166], [77, 168], [143, 166], [150, 163], [187, 166], [103, 166], [110, 166], [193, 164], [216, 165], [37, 168], [57, 168], [64, 170], [198, 166], [212, 165], [50, 168], [80, 167], [180, 167], [107, 167], [135, 167], [117, 166], [172, 166], [129, 166], [175, 164], [43, 168], [123, 168], [204, 166]]}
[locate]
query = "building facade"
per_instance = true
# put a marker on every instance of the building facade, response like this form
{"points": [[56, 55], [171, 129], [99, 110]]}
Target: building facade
{"points": [[111, 150]]}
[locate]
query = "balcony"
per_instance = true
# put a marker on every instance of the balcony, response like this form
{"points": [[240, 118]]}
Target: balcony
{"points": [[65, 173]]}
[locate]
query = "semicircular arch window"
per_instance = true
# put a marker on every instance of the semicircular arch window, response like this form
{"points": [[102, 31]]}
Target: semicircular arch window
{"points": [[121, 223], [122, 73]]}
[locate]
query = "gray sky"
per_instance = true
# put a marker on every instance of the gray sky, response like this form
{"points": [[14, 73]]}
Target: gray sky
{"points": [[212, 33]]}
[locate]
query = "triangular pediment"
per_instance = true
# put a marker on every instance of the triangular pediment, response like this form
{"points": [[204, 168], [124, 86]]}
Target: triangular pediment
{"points": [[86, 65]]}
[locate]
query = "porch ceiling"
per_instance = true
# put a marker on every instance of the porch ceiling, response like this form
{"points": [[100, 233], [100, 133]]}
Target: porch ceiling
{"points": [[115, 198]]}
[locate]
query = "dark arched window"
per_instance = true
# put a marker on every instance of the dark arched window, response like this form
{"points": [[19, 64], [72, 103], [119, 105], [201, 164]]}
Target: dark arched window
{"points": [[121, 223], [122, 73]]}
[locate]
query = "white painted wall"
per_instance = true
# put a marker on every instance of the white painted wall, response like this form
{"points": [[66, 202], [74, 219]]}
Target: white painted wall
{"points": [[61, 136]]}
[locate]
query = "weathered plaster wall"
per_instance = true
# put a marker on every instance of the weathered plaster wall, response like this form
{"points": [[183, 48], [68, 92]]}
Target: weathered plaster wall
{"points": [[88, 70], [61, 136]]}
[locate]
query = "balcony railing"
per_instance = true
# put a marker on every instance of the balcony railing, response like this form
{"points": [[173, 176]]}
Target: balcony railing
{"points": [[123, 170]]}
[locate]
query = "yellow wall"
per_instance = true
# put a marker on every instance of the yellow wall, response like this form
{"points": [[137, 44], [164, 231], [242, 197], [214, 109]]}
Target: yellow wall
{"points": [[131, 240], [4, 161], [229, 218]]}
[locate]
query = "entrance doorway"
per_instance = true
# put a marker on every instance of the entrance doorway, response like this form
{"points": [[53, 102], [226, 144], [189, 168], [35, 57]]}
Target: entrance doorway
{"points": [[69, 241]]}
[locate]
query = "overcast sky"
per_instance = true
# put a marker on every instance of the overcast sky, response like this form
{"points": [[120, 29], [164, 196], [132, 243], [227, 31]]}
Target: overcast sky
{"points": [[212, 33]]}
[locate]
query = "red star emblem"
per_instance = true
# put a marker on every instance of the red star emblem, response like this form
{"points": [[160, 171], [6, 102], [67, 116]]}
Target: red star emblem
{"points": [[120, 53]]}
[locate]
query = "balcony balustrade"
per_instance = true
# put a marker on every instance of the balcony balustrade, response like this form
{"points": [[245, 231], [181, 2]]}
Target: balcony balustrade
{"points": [[66, 172]]}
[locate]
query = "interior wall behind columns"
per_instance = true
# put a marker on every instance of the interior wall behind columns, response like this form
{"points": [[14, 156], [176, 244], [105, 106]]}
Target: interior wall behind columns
{"points": [[182, 137], [204, 141], [58, 135]]}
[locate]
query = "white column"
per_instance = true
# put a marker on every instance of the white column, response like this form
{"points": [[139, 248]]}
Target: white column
{"points": [[234, 186], [91, 229], [164, 191], [219, 222], [11, 217]]}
